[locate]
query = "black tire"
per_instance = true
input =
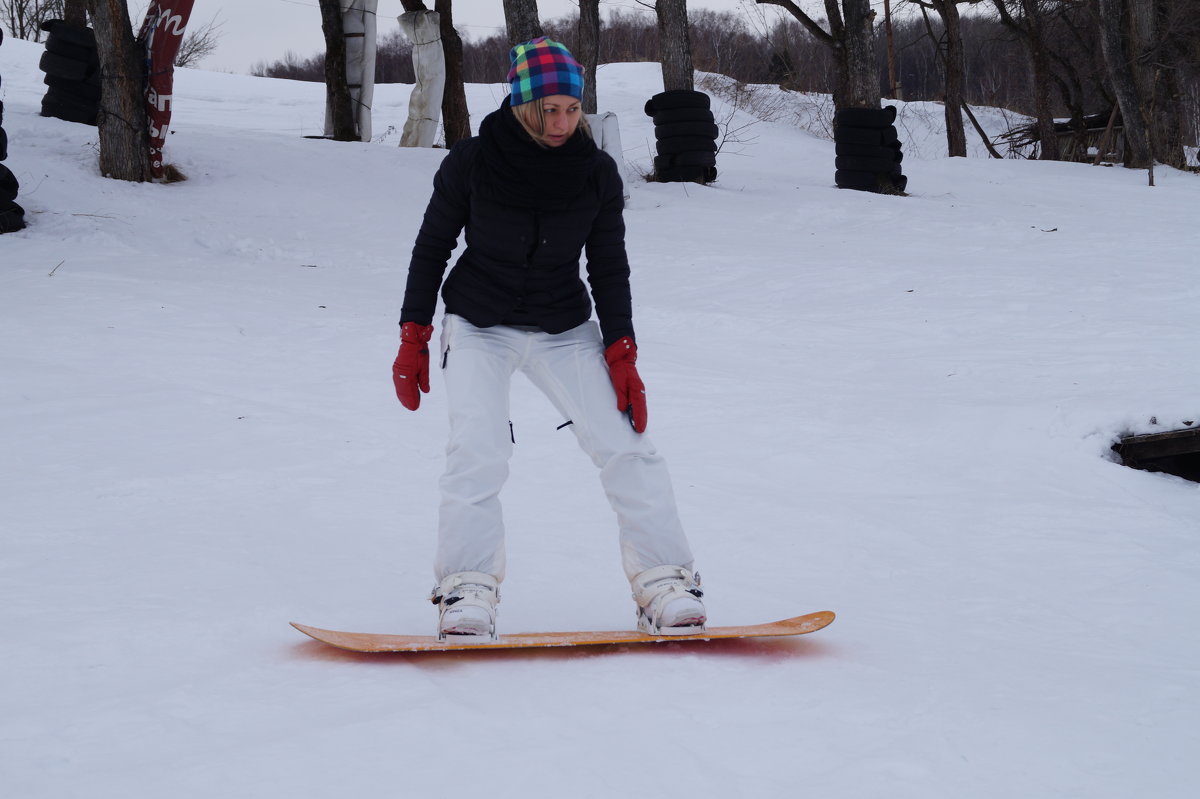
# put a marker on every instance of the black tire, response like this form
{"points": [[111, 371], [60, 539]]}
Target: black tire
{"points": [[87, 55], [3, 145], [859, 163], [676, 98], [695, 159], [862, 181], [707, 129], [67, 110], [72, 102], [704, 160], [63, 67], [865, 117], [9, 185], [685, 174], [12, 217], [81, 92], [889, 136], [685, 144], [863, 150], [845, 135], [675, 116], [71, 34]]}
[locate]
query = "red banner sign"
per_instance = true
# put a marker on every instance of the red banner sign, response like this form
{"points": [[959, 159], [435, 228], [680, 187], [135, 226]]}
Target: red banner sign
{"points": [[161, 35]]}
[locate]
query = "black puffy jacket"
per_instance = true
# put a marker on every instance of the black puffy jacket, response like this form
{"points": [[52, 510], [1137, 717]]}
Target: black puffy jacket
{"points": [[522, 265]]}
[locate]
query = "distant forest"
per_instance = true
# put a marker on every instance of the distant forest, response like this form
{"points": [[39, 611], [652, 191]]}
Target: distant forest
{"points": [[746, 49]]}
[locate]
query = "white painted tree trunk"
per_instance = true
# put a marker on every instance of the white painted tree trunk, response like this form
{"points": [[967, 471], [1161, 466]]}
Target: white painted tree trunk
{"points": [[607, 135], [359, 30], [429, 64]]}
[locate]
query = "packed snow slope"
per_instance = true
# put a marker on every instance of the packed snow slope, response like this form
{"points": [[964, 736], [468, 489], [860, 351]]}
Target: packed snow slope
{"points": [[897, 408]]}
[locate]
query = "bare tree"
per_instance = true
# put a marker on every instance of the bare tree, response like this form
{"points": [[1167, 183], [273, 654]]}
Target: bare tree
{"points": [[1027, 18], [851, 39], [521, 20], [588, 50], [1120, 70], [124, 138], [1149, 46], [675, 50], [337, 88], [456, 118], [23, 18], [950, 56], [199, 43]]}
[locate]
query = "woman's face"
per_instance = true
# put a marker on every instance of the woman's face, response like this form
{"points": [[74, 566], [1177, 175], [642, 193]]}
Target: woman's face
{"points": [[561, 113]]}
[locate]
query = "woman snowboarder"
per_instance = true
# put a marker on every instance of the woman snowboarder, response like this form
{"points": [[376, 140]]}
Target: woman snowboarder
{"points": [[534, 193]]}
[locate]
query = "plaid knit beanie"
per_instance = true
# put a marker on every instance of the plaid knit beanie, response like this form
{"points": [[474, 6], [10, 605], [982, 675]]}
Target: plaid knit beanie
{"points": [[543, 67]]}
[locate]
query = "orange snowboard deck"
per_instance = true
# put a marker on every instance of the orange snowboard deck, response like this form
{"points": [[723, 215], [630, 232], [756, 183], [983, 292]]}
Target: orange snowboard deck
{"points": [[372, 642]]}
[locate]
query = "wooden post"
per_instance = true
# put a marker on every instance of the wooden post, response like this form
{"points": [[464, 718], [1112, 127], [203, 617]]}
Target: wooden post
{"points": [[894, 90], [1105, 140]]}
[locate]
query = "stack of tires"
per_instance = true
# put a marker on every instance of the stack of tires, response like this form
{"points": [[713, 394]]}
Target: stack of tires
{"points": [[868, 150], [72, 70], [686, 137], [12, 216]]}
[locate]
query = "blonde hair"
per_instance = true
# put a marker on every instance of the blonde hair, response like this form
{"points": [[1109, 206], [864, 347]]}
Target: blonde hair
{"points": [[533, 120]]}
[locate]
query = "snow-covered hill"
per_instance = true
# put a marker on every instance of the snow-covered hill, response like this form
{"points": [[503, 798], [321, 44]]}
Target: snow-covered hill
{"points": [[899, 409]]}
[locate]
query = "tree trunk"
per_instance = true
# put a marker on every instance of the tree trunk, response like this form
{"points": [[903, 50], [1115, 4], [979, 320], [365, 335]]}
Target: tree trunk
{"points": [[860, 74], [1120, 72], [521, 21], [951, 62], [456, 119], [1040, 61], [851, 40], [337, 90], [674, 47], [588, 50], [124, 137], [75, 12], [956, 133], [1157, 76]]}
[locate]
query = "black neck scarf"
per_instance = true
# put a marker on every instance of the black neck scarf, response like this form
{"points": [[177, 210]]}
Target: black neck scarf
{"points": [[518, 171]]}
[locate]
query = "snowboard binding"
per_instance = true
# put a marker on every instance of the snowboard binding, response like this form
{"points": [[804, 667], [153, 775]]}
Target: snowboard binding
{"points": [[467, 606]]}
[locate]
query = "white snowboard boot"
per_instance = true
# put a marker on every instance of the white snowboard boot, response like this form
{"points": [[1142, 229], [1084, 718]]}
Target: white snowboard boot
{"points": [[668, 599], [467, 606]]}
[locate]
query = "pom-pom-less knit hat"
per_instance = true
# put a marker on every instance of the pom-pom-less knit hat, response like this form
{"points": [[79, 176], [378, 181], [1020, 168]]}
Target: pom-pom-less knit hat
{"points": [[543, 67]]}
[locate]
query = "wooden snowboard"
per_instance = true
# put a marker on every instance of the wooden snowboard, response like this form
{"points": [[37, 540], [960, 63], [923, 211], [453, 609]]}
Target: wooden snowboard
{"points": [[372, 642]]}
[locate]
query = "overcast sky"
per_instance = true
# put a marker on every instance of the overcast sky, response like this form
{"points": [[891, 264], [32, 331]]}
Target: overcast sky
{"points": [[257, 31]]}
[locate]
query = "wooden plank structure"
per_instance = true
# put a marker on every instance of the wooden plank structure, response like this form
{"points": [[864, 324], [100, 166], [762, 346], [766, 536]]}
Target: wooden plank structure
{"points": [[1098, 138], [1176, 452]]}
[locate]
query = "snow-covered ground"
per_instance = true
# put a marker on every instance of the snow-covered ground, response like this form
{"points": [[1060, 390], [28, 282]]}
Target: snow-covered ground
{"points": [[899, 409]]}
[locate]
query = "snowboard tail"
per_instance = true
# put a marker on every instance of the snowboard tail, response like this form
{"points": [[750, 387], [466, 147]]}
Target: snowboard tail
{"points": [[375, 642]]}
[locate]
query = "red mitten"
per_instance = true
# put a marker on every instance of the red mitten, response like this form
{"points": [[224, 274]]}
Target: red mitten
{"points": [[410, 372], [621, 357]]}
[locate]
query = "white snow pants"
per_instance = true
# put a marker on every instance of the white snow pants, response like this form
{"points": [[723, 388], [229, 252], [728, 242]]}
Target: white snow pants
{"points": [[569, 368]]}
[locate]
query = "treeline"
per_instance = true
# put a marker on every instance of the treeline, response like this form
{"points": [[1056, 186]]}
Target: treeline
{"points": [[749, 50]]}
